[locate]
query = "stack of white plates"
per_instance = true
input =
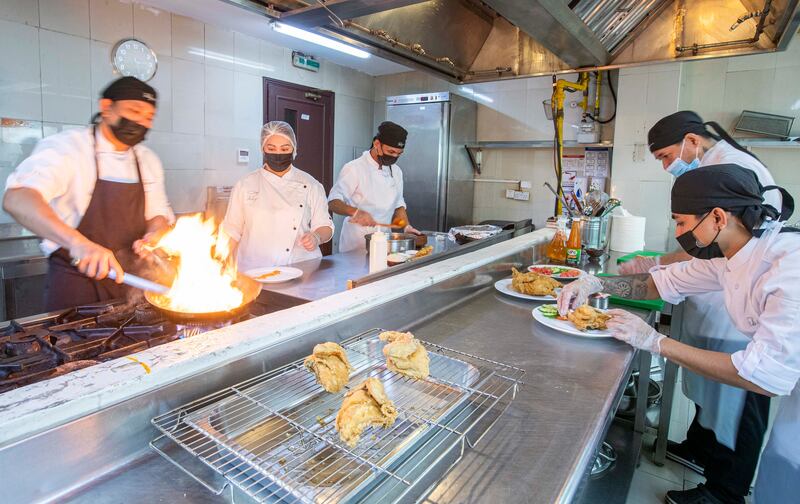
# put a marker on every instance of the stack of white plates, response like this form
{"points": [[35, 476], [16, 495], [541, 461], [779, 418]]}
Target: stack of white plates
{"points": [[627, 232]]}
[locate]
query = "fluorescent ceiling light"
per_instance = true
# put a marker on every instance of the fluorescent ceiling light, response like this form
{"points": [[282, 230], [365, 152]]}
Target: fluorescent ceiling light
{"points": [[318, 39]]}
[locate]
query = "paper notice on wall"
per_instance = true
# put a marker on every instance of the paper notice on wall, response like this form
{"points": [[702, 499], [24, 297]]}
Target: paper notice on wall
{"points": [[573, 163], [596, 163]]}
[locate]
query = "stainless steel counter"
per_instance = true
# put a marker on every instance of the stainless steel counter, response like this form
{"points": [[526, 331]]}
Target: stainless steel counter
{"points": [[338, 272], [539, 451]]}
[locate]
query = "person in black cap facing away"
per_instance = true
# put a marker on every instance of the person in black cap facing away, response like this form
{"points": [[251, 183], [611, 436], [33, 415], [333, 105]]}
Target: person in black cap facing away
{"points": [[724, 440], [93, 194], [369, 189], [741, 248]]}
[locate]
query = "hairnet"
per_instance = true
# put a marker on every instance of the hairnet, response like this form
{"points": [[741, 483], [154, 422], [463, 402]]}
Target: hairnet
{"points": [[281, 128]]}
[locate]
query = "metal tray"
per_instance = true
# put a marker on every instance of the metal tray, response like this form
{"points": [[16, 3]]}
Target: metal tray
{"points": [[273, 437]]}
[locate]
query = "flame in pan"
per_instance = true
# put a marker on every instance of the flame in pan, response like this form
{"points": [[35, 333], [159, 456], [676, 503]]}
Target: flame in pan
{"points": [[203, 282]]}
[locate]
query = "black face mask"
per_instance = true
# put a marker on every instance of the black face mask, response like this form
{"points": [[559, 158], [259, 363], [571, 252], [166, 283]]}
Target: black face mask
{"points": [[278, 162], [128, 132], [385, 160], [688, 242]]}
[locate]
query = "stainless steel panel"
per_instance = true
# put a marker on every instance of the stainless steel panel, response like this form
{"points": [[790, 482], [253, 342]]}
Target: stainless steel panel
{"points": [[422, 161]]}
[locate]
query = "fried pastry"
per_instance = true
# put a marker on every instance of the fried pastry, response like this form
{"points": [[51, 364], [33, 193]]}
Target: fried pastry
{"points": [[365, 406], [405, 354], [586, 317], [329, 364], [533, 284]]}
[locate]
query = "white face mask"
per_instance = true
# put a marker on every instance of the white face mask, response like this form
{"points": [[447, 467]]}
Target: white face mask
{"points": [[678, 167]]}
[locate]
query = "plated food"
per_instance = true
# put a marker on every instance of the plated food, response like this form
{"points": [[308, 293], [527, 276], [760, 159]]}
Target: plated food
{"points": [[364, 406], [268, 274], [405, 354], [396, 258], [561, 272], [533, 284], [426, 250], [330, 366], [274, 274], [587, 317]]}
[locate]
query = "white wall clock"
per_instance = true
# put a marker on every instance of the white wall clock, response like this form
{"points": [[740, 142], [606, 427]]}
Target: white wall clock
{"points": [[134, 58]]}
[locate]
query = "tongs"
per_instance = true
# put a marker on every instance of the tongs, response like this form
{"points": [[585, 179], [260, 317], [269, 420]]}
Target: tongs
{"points": [[560, 197]]}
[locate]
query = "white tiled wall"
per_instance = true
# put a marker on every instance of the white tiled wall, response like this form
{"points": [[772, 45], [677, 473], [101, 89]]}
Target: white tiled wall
{"points": [[507, 110], [55, 60]]}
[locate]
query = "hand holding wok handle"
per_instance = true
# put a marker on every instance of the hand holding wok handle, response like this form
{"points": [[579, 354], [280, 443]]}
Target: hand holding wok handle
{"points": [[576, 293], [627, 327], [132, 280], [94, 261]]}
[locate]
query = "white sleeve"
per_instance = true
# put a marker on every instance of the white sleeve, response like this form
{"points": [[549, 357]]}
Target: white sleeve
{"points": [[319, 211], [155, 193], [772, 359], [233, 223], [401, 201], [50, 169], [678, 280], [345, 185]]}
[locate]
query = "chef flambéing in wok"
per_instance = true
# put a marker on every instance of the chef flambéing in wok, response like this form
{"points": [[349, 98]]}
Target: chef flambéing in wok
{"points": [[93, 194], [740, 247], [277, 215]]}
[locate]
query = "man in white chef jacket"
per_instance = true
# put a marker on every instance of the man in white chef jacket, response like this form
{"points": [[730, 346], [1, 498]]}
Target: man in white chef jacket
{"points": [[93, 194], [369, 190], [724, 440], [277, 215]]}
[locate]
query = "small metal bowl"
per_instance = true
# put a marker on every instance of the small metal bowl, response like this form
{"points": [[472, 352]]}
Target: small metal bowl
{"points": [[398, 242], [599, 301]]}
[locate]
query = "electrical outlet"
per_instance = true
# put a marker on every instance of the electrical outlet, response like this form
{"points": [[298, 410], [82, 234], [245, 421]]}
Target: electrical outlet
{"points": [[522, 195], [510, 193], [525, 184]]}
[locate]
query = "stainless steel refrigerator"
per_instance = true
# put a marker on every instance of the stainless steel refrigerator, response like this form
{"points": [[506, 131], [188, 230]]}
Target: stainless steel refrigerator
{"points": [[437, 173]]}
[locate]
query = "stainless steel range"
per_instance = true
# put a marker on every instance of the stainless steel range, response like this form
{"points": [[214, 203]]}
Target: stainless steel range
{"points": [[44, 346]]}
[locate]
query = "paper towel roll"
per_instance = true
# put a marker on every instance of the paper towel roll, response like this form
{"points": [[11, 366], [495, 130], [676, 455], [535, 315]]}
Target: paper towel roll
{"points": [[627, 232]]}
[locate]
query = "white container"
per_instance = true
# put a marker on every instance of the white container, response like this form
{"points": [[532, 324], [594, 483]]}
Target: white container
{"points": [[378, 250], [627, 233]]}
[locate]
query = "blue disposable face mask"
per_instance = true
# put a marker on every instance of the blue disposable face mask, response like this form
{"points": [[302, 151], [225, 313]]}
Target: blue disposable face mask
{"points": [[679, 166]]}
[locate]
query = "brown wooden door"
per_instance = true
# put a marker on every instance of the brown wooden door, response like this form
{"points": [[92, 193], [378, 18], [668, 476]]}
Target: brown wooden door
{"points": [[310, 112]]}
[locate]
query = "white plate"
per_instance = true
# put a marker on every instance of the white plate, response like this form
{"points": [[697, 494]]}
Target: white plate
{"points": [[565, 326], [557, 277], [504, 286], [286, 273]]}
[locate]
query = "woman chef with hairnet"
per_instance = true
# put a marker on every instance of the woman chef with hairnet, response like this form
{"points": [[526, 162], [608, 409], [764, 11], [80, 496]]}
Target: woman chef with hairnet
{"points": [[277, 215]]}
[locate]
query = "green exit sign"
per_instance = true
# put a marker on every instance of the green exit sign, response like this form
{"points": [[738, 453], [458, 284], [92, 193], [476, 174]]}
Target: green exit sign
{"points": [[305, 61]]}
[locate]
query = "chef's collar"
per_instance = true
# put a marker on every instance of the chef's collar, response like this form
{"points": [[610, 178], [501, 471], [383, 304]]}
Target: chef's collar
{"points": [[743, 256], [288, 175], [374, 164], [105, 146]]}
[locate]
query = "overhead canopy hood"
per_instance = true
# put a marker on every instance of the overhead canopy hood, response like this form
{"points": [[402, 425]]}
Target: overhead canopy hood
{"points": [[473, 41]]}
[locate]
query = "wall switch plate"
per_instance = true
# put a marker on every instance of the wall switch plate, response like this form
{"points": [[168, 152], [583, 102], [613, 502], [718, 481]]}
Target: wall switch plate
{"points": [[510, 193], [244, 156], [522, 195], [525, 184]]}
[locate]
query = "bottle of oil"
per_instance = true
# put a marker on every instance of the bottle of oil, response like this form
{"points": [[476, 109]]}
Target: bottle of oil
{"points": [[557, 248], [574, 244]]}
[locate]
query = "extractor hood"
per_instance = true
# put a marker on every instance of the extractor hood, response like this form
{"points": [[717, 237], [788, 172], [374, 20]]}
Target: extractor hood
{"points": [[474, 41]]}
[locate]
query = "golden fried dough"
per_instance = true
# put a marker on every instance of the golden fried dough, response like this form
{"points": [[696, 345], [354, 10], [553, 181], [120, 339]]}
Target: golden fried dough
{"points": [[329, 364], [586, 317], [405, 354], [533, 284], [364, 406]]}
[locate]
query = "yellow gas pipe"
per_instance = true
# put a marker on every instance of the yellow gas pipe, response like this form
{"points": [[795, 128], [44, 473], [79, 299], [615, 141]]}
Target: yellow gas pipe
{"points": [[560, 87]]}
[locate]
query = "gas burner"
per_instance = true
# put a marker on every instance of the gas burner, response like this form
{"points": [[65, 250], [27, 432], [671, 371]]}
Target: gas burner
{"points": [[42, 347]]}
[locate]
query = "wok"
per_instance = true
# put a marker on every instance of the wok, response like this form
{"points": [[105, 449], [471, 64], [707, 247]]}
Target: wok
{"points": [[249, 287]]}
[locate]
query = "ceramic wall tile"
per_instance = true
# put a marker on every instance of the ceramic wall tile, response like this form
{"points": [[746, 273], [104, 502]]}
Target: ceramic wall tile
{"points": [[66, 16], [188, 111], [219, 51], [20, 11], [750, 89], [66, 85], [248, 108], [20, 77], [153, 26], [102, 72], [162, 82], [247, 56], [219, 103], [110, 20], [177, 151], [272, 62], [188, 38]]}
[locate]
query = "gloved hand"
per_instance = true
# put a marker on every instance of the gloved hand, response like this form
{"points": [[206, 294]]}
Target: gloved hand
{"points": [[411, 229], [639, 264], [577, 292], [631, 329], [362, 218], [310, 241]]}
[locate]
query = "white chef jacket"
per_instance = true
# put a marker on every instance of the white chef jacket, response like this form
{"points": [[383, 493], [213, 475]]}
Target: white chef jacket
{"points": [[268, 215], [706, 324], [369, 187], [761, 286], [62, 168]]}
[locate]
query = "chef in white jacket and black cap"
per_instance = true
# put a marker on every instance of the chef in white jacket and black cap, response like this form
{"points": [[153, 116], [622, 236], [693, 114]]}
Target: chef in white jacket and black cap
{"points": [[277, 215], [369, 189], [724, 440], [741, 249]]}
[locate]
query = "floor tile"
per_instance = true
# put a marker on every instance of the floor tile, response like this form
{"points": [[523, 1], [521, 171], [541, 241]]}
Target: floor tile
{"points": [[671, 470], [649, 489]]}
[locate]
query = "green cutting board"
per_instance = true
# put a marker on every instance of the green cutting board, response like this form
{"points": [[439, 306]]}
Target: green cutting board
{"points": [[650, 304]]}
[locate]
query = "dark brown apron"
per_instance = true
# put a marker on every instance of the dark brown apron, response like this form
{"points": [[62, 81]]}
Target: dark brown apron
{"points": [[113, 219]]}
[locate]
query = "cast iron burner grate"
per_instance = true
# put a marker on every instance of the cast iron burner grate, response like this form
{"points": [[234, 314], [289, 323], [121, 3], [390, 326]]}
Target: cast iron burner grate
{"points": [[45, 346]]}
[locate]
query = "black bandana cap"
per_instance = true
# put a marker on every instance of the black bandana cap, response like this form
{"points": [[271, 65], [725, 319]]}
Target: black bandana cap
{"points": [[130, 88], [392, 134], [728, 186], [671, 129]]}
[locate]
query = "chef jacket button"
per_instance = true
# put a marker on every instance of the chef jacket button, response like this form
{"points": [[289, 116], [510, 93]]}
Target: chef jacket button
{"points": [[736, 286], [304, 187], [294, 228], [287, 250], [301, 206]]}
